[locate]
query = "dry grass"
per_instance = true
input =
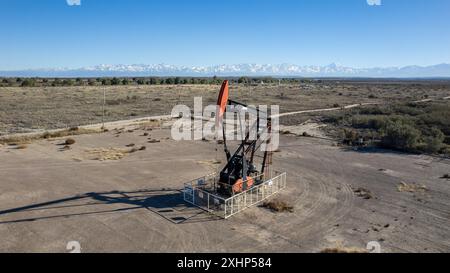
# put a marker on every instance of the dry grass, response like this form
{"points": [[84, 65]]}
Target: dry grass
{"points": [[111, 153], [404, 187], [75, 105], [341, 249], [21, 139], [103, 154], [211, 164], [70, 132], [278, 206]]}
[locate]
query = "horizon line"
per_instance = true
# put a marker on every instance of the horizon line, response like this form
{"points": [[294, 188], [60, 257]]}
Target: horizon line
{"points": [[214, 65]]}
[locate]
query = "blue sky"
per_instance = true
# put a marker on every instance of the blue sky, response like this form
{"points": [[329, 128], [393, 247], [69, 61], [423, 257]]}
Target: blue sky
{"points": [[50, 33]]}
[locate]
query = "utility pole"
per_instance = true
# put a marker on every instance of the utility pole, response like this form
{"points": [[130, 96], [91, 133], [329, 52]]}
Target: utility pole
{"points": [[103, 108]]}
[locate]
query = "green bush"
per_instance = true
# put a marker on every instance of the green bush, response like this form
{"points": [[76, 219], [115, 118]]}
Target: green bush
{"points": [[115, 81], [375, 111], [106, 82], [399, 135], [243, 80], [350, 137], [28, 83], [67, 82], [369, 122], [434, 142], [91, 82]]}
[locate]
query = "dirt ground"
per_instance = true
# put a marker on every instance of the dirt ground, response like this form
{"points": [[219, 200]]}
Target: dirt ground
{"points": [[112, 195], [51, 195]]}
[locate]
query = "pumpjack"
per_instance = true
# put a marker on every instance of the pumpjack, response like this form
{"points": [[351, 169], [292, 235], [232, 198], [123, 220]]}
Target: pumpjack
{"points": [[242, 171]]}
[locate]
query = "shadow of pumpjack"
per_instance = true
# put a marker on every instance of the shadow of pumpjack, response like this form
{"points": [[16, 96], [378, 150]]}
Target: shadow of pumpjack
{"points": [[167, 203]]}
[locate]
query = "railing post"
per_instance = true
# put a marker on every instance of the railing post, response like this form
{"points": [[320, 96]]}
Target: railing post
{"points": [[232, 205], [225, 210]]}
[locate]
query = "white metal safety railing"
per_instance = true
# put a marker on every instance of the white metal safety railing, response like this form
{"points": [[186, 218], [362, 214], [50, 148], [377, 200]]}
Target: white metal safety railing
{"points": [[254, 195], [196, 193]]}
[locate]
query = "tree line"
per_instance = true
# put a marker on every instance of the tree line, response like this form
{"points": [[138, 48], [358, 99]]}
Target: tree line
{"points": [[108, 81]]}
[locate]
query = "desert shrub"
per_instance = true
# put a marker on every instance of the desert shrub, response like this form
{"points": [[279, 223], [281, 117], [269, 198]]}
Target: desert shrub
{"points": [[28, 83], [70, 141], [67, 82], [399, 135], [350, 137], [154, 81], [408, 110], [169, 81], [446, 150], [56, 82], [106, 82], [115, 81], [243, 80], [345, 250], [278, 206], [333, 118], [115, 101], [368, 122], [375, 111], [438, 118], [125, 82], [434, 141]]}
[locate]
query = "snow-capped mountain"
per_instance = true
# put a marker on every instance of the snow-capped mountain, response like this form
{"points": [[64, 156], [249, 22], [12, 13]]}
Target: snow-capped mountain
{"points": [[288, 70]]}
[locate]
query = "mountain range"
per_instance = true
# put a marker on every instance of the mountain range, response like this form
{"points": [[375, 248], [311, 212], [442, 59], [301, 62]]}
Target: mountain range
{"points": [[277, 70]]}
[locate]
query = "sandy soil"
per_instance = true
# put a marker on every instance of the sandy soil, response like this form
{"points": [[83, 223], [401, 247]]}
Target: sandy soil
{"points": [[51, 195]]}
